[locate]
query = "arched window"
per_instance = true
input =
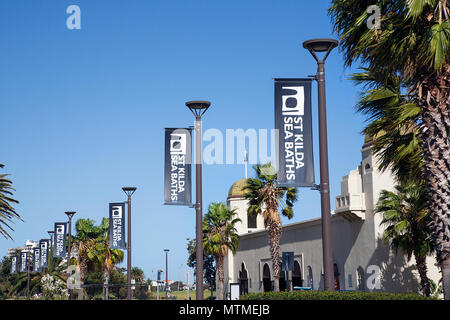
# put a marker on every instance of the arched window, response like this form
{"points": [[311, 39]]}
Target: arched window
{"points": [[310, 278], [267, 282], [251, 221], [297, 280], [360, 279], [243, 280], [337, 285], [282, 281]]}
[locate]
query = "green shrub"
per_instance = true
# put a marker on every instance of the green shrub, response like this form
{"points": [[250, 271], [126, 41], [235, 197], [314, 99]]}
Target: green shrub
{"points": [[332, 295]]}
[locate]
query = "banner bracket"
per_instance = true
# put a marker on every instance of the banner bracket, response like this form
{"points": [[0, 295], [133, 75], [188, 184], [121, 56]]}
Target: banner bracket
{"points": [[316, 187]]}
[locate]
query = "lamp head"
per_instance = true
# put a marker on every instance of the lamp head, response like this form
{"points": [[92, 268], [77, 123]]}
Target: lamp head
{"points": [[129, 190], [198, 108], [320, 45], [70, 214]]}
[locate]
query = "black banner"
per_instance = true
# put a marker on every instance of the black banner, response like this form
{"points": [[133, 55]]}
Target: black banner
{"points": [[177, 166], [14, 264], [59, 250], [294, 124], [117, 226], [36, 259], [23, 261], [43, 245]]}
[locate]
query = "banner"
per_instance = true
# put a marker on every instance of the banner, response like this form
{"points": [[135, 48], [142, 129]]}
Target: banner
{"points": [[14, 264], [37, 259], [43, 245], [23, 261], [117, 226], [59, 249], [177, 167], [294, 125]]}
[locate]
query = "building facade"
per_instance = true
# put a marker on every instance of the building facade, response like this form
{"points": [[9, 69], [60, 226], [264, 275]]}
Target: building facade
{"points": [[361, 260]]}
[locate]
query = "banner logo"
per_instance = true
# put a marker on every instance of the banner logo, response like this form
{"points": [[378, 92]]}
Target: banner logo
{"points": [[294, 104], [178, 144], [117, 226], [14, 264], [43, 245], [60, 240], [177, 167], [23, 261], [293, 121], [37, 260]]}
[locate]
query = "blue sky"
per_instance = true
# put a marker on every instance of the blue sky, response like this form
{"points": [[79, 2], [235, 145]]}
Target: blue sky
{"points": [[83, 111]]}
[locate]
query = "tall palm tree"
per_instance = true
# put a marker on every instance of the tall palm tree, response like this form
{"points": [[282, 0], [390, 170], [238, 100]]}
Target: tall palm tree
{"points": [[413, 41], [266, 197], [392, 126], [219, 236], [107, 258], [84, 243], [7, 212], [407, 219]]}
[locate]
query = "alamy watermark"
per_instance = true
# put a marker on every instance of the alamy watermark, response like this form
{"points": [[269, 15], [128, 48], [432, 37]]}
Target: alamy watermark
{"points": [[374, 20], [74, 19]]}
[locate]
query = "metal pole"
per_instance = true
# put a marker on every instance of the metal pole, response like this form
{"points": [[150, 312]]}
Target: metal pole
{"points": [[69, 247], [198, 208], [187, 285], [324, 181], [28, 276], [129, 250], [167, 278]]}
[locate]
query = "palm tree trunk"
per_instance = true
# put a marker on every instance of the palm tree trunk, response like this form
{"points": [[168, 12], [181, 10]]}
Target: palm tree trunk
{"points": [[422, 268], [435, 142], [275, 230], [220, 285]]}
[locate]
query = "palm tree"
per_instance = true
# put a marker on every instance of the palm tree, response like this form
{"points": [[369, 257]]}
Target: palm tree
{"points": [[219, 236], [414, 42], [84, 243], [392, 124], [7, 212], [407, 219], [265, 197], [107, 257]]}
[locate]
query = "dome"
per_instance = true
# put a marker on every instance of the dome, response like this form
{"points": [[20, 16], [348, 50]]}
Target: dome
{"points": [[369, 138], [237, 189]]}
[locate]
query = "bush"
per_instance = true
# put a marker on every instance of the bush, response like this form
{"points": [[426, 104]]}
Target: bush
{"points": [[332, 295]]}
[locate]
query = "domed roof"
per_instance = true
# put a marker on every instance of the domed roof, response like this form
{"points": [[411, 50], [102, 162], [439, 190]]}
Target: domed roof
{"points": [[237, 189], [369, 138]]}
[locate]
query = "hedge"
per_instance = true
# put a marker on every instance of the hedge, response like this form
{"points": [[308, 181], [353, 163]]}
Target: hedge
{"points": [[332, 295]]}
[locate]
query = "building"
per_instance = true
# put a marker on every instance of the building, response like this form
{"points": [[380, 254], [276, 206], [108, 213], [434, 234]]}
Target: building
{"points": [[361, 260]]}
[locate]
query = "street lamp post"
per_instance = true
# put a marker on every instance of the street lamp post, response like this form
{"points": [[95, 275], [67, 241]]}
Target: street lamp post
{"points": [[28, 271], [69, 248], [198, 108], [314, 46], [129, 192], [50, 265], [167, 272]]}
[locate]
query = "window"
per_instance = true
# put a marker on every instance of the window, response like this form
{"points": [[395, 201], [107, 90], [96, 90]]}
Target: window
{"points": [[310, 278], [360, 279], [251, 221], [297, 275], [243, 280], [267, 283]]}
